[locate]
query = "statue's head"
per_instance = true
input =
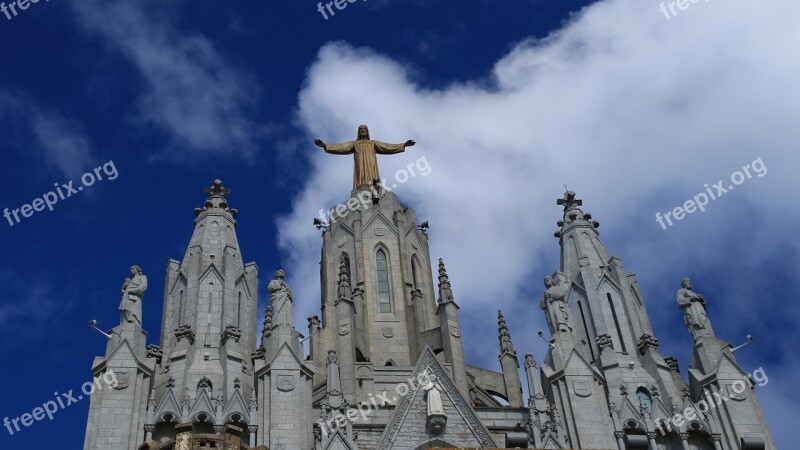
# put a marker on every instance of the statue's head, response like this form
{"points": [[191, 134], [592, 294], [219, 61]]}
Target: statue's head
{"points": [[548, 282], [280, 273], [686, 283], [363, 132], [135, 269]]}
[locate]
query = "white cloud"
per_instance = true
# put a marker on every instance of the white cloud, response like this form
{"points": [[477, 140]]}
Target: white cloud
{"points": [[633, 111], [191, 91], [59, 142]]}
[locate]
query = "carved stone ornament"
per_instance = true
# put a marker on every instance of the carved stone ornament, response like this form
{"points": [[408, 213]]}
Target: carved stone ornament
{"points": [[344, 328], [388, 332], [340, 243], [582, 388], [437, 423], [285, 383], [455, 331], [540, 403], [604, 342], [380, 231], [736, 391], [123, 380]]}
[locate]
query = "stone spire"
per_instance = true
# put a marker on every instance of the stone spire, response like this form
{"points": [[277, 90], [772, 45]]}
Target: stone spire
{"points": [[266, 330], [506, 346], [445, 290], [343, 291], [216, 203], [573, 213], [509, 364]]}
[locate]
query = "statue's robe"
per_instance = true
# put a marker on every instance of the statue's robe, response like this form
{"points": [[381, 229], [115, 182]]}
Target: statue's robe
{"points": [[131, 304], [365, 161], [281, 301], [694, 314]]}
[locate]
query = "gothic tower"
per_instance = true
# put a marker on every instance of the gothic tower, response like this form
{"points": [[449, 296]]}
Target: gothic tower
{"points": [[604, 370], [200, 373]]}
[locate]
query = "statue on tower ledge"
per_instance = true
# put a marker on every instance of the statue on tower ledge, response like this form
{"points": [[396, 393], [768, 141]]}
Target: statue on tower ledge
{"points": [[132, 292], [365, 170], [281, 300], [693, 306], [554, 302]]}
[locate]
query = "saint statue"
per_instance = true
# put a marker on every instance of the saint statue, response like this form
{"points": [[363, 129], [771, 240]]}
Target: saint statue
{"points": [[365, 169], [334, 383], [434, 399], [693, 306], [132, 292], [281, 300], [555, 303]]}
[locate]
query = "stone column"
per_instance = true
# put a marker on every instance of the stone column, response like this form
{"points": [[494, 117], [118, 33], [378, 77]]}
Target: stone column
{"points": [[716, 438], [620, 435], [651, 440], [252, 429], [684, 440]]}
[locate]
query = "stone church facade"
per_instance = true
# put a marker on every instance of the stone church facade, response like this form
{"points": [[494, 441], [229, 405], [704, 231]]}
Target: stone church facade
{"points": [[385, 365]]}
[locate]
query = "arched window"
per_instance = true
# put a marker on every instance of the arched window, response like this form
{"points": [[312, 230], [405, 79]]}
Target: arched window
{"points": [[384, 296], [644, 398]]}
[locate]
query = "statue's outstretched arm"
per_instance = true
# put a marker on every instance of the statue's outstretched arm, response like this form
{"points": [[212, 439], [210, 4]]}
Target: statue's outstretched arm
{"points": [[344, 148], [383, 148]]}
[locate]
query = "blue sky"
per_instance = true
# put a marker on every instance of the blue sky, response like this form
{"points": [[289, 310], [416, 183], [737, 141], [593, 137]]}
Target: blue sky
{"points": [[508, 101]]}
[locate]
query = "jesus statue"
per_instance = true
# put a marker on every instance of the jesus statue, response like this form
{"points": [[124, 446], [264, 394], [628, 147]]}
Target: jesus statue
{"points": [[365, 170]]}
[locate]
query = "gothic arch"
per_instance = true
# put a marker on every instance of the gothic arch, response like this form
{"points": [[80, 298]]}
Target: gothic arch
{"points": [[384, 301], [643, 395], [436, 443], [416, 275]]}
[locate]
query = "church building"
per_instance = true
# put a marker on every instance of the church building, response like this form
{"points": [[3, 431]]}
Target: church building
{"points": [[383, 366]]}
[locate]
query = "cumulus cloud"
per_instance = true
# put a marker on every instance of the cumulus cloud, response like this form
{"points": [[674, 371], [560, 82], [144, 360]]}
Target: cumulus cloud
{"points": [[634, 112], [191, 92]]}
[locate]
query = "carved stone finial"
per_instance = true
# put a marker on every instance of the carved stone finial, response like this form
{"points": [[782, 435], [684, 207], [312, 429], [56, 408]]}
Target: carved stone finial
{"points": [[186, 402], [445, 290], [253, 400], [343, 289], [237, 383], [506, 346], [217, 189], [170, 383], [568, 201], [623, 390], [151, 401], [216, 201]]}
